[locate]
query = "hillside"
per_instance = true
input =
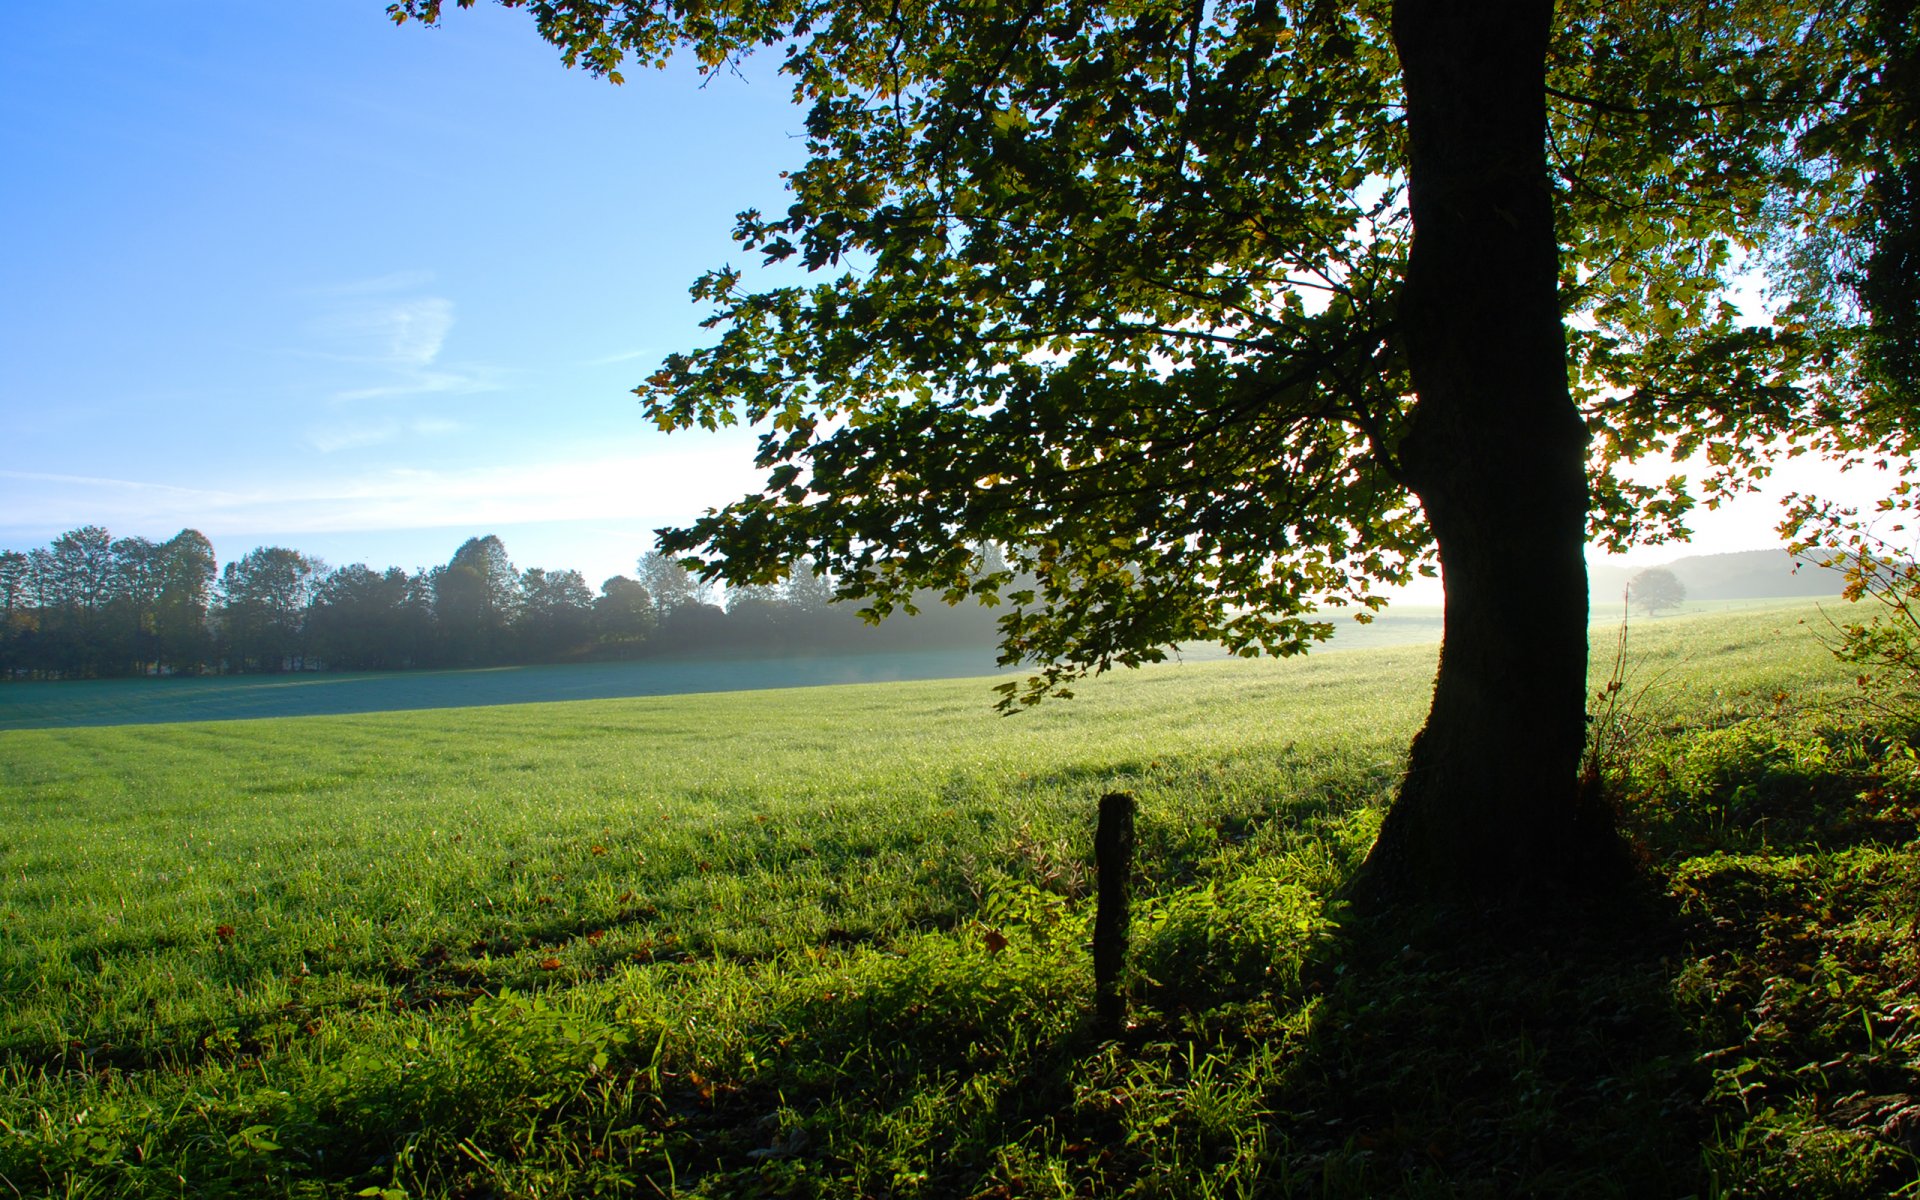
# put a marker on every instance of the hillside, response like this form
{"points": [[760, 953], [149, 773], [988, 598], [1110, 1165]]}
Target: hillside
{"points": [[1743, 575]]}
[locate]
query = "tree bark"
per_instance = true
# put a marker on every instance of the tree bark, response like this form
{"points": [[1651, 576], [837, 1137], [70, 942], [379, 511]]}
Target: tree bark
{"points": [[1491, 807]]}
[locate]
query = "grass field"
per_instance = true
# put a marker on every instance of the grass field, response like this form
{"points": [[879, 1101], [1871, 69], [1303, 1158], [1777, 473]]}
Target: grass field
{"points": [[73, 703], [830, 941]]}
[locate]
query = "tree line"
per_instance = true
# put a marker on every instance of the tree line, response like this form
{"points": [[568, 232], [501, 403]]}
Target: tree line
{"points": [[90, 605]]}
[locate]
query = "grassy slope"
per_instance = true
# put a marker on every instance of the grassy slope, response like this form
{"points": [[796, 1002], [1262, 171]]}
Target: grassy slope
{"points": [[830, 941]]}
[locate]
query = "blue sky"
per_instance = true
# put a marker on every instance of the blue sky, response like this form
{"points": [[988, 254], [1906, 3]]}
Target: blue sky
{"points": [[286, 273], [289, 275]]}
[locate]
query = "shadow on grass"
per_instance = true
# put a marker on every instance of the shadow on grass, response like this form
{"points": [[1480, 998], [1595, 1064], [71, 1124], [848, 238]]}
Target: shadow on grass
{"points": [[1350, 1062], [1745, 1025], [1460, 1059]]}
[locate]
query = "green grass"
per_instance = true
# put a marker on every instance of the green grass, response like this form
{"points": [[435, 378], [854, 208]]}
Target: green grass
{"points": [[77, 703], [831, 941], [68, 703]]}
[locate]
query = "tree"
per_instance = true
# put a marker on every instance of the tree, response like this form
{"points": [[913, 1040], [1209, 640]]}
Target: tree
{"points": [[76, 577], [264, 597], [187, 569], [1854, 251], [364, 619], [131, 634], [1218, 315], [669, 583], [14, 580], [807, 589], [473, 598], [759, 615], [16, 622], [555, 614], [1849, 244], [623, 612], [1656, 588]]}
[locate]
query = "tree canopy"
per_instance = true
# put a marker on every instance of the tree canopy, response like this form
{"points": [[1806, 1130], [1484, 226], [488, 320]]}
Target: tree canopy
{"points": [[1069, 245], [1217, 317]]}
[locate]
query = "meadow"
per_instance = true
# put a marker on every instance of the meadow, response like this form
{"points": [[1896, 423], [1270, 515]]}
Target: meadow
{"points": [[70, 703], [831, 941]]}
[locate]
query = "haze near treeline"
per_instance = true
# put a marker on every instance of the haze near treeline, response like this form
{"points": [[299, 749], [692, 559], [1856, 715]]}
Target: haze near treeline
{"points": [[90, 605]]}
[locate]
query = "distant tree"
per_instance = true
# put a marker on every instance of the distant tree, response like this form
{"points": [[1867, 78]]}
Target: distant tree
{"points": [[83, 568], [38, 650], [187, 570], [488, 556], [363, 619], [467, 632], [808, 587], [76, 577], [669, 583], [1656, 588], [740, 595], [623, 613], [16, 621], [130, 638], [264, 597], [474, 597], [15, 578], [555, 614], [759, 615], [694, 627]]}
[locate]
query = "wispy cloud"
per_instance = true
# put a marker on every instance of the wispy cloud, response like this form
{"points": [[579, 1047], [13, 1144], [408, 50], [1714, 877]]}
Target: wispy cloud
{"points": [[398, 333], [388, 349], [107, 484], [354, 434], [333, 438], [38, 504], [422, 383], [658, 487], [646, 489]]}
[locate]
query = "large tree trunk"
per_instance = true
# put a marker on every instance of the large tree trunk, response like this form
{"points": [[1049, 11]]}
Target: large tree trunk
{"points": [[1491, 807]]}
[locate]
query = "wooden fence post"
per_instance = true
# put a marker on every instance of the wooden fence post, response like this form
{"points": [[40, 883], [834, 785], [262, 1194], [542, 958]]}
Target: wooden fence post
{"points": [[1113, 871]]}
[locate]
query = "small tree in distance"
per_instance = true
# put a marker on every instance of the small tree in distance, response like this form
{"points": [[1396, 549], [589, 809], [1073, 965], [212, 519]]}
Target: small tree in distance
{"points": [[669, 583], [1656, 588]]}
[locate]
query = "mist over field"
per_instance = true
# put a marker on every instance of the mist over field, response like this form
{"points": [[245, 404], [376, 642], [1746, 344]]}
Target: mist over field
{"points": [[216, 698]]}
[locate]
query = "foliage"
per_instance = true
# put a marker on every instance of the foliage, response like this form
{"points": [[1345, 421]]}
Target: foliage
{"points": [[624, 611], [1118, 288], [475, 599], [1845, 244], [1875, 554], [263, 606], [367, 620], [555, 612]]}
